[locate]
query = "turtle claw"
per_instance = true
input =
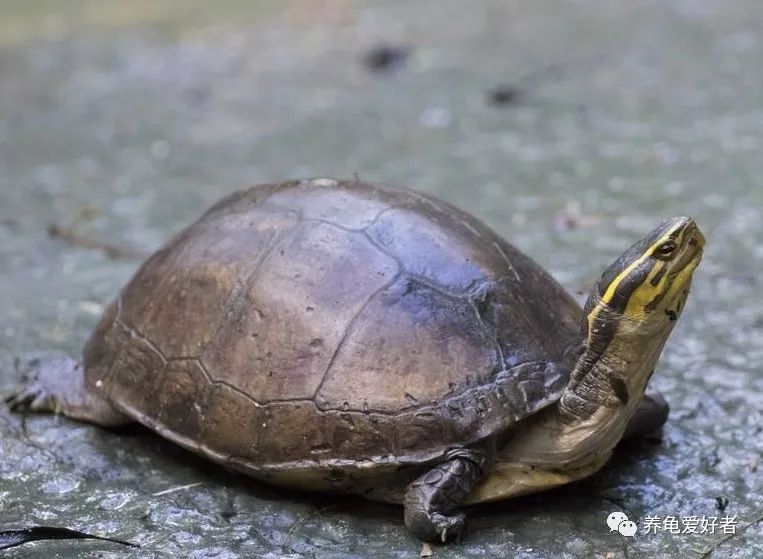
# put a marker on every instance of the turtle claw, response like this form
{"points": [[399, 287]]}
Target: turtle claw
{"points": [[450, 528], [30, 397], [35, 392]]}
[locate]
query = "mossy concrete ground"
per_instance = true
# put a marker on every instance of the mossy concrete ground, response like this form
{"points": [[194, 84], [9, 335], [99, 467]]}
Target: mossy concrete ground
{"points": [[125, 121]]}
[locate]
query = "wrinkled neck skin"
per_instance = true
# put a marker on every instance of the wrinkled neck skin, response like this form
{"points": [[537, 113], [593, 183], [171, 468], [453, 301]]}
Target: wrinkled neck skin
{"points": [[594, 410]]}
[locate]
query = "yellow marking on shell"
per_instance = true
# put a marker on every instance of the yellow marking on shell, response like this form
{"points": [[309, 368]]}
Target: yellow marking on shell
{"points": [[639, 296]]}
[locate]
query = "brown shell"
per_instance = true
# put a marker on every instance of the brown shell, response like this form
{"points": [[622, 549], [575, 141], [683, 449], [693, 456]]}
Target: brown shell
{"points": [[322, 325]]}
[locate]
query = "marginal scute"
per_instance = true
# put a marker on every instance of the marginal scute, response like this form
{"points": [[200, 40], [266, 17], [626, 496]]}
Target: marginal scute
{"points": [[232, 423], [420, 430], [103, 348], [250, 433], [298, 418], [179, 397], [362, 435], [134, 378]]}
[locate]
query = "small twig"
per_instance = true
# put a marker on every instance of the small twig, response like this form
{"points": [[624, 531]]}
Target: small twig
{"points": [[13, 538], [175, 489], [705, 554], [68, 235]]}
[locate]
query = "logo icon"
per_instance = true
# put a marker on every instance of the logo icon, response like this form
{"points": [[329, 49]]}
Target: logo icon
{"points": [[627, 528], [618, 522]]}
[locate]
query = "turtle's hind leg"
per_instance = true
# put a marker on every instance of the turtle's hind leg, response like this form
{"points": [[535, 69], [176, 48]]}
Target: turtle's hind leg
{"points": [[432, 501], [56, 384]]}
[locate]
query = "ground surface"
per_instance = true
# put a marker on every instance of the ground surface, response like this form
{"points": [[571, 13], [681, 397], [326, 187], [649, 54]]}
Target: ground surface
{"points": [[128, 122]]}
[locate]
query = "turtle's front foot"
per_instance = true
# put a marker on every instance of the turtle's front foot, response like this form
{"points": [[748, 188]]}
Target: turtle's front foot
{"points": [[431, 500], [436, 527]]}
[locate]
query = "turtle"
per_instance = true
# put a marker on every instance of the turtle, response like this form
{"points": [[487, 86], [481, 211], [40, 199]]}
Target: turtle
{"points": [[350, 337]]}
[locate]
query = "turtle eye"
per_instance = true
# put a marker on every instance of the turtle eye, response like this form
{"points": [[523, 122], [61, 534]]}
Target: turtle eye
{"points": [[665, 250]]}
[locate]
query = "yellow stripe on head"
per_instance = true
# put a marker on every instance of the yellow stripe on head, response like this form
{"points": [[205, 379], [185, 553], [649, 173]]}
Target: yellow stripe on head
{"points": [[651, 271]]}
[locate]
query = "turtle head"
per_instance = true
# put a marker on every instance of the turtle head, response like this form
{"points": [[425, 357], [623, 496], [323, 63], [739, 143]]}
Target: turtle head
{"points": [[644, 290], [629, 316]]}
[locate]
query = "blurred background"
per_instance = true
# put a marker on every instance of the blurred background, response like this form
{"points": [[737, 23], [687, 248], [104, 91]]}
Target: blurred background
{"points": [[571, 127]]}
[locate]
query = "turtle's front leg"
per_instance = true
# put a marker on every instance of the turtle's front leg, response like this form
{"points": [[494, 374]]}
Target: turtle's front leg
{"points": [[432, 500], [650, 415]]}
